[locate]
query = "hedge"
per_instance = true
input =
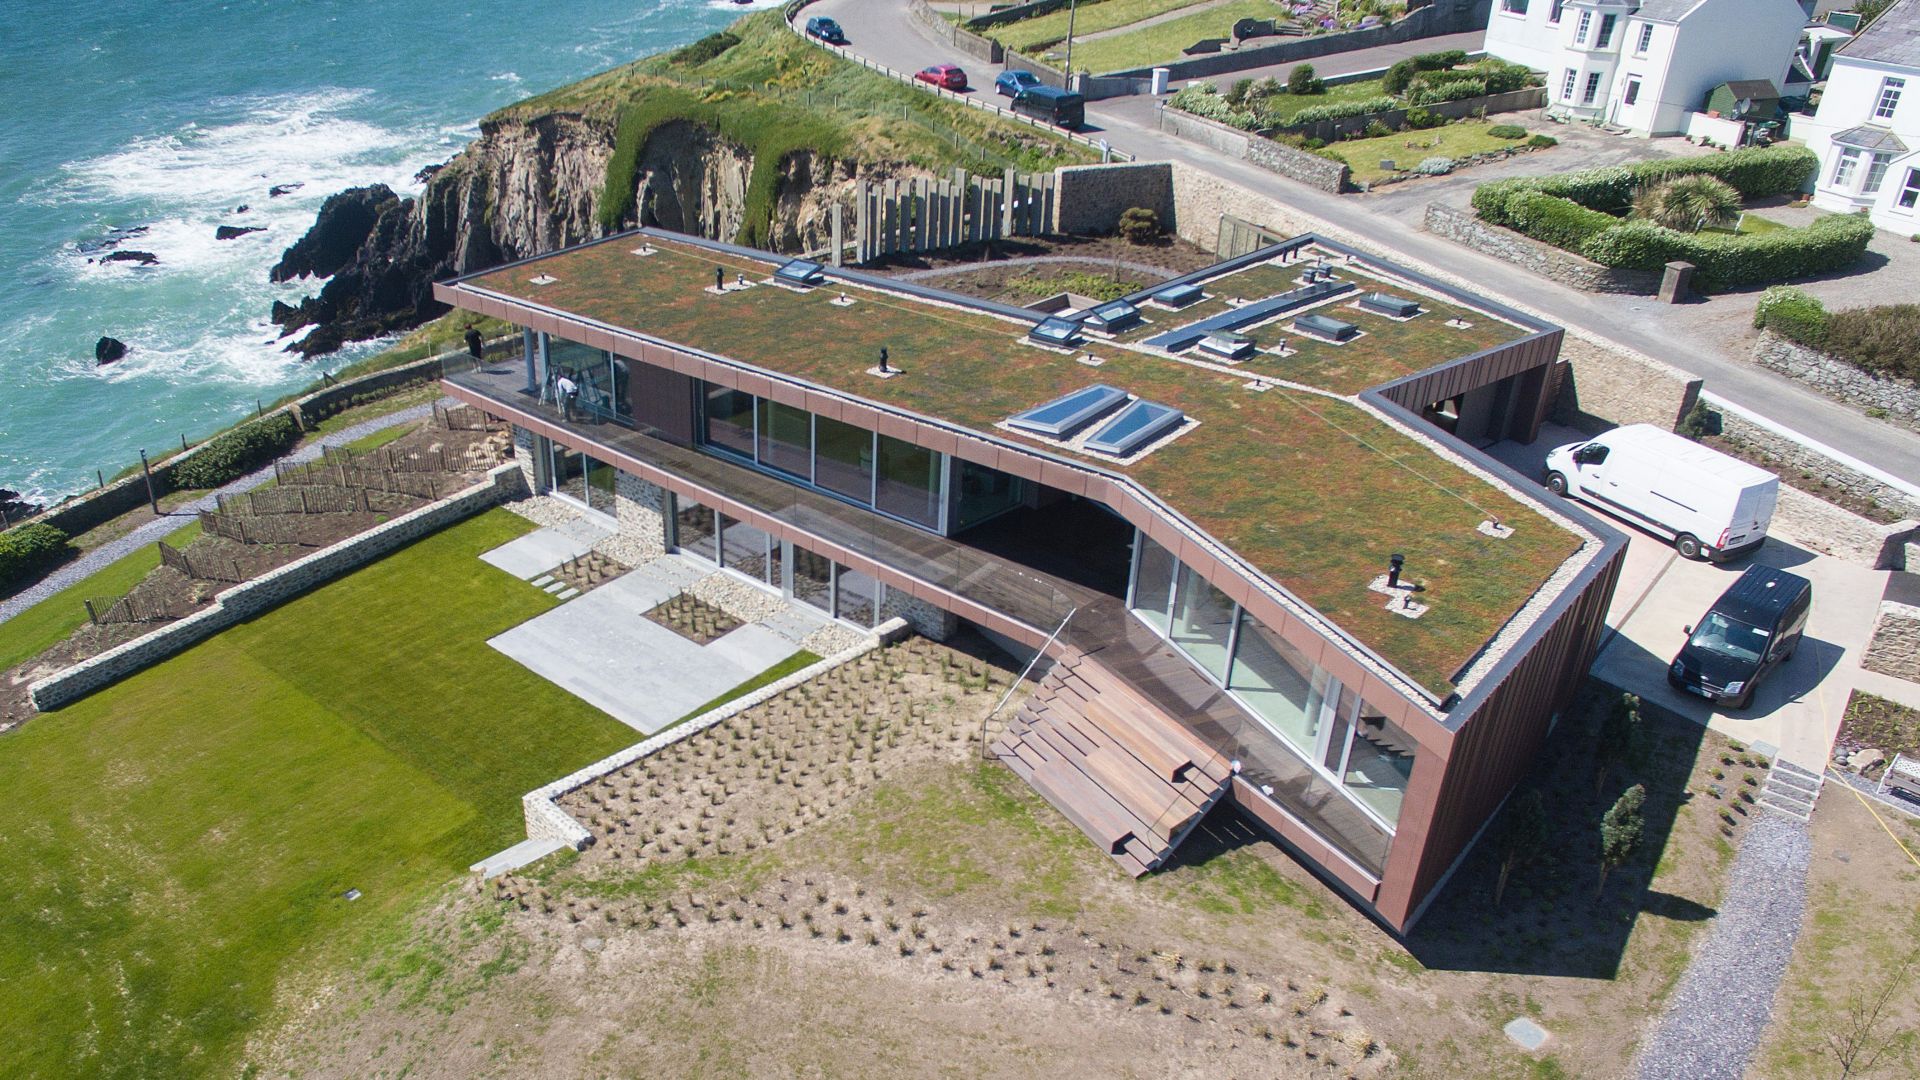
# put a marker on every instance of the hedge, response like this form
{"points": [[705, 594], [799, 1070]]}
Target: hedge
{"points": [[29, 551], [1727, 261], [1447, 90], [1793, 314], [1755, 173], [1884, 340], [1340, 110], [1556, 221], [238, 452]]}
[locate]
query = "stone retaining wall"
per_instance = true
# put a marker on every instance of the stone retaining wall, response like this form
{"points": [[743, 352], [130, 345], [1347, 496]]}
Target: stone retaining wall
{"points": [[962, 38], [1898, 398], [1199, 198], [1513, 101], [1438, 18], [1788, 450], [1462, 227], [1820, 526], [547, 821], [1091, 198], [1603, 384], [1894, 648], [1308, 168], [252, 598]]}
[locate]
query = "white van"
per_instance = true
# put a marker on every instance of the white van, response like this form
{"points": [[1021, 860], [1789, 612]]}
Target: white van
{"points": [[1707, 503]]}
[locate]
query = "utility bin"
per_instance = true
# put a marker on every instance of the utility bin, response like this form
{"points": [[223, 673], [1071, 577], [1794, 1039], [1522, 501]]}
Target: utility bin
{"points": [[1161, 77]]}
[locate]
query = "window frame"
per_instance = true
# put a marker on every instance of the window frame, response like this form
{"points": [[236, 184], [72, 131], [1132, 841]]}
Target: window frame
{"points": [[1569, 83], [1644, 40], [1580, 29], [1516, 8], [1886, 101], [1608, 24], [1845, 168], [1879, 163], [1592, 93], [1908, 197], [1630, 93]]}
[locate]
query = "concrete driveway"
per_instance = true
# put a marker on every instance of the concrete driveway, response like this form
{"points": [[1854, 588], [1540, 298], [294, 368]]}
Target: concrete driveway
{"points": [[1796, 711]]}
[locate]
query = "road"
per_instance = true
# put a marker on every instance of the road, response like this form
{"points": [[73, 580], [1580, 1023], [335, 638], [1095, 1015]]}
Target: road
{"points": [[882, 31]]}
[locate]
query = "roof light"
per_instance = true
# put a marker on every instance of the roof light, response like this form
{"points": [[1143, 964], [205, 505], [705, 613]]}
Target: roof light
{"points": [[1055, 331], [1114, 315], [802, 272], [1136, 424], [1065, 414], [1387, 304]]}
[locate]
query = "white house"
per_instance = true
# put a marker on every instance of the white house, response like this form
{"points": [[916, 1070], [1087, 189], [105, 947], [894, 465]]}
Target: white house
{"points": [[1867, 129], [1643, 65]]}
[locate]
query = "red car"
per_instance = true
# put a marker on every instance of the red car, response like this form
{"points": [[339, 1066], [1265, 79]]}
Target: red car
{"points": [[944, 76]]}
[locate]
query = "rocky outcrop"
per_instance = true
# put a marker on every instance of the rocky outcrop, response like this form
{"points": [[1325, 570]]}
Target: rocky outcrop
{"points": [[108, 349], [525, 187]]}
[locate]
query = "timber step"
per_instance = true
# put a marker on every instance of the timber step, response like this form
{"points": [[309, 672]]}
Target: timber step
{"points": [[1113, 763]]}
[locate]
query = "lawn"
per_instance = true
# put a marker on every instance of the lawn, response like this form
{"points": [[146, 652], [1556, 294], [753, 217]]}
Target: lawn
{"points": [[48, 622], [1453, 141], [1281, 108], [1045, 30], [1163, 41], [179, 844]]}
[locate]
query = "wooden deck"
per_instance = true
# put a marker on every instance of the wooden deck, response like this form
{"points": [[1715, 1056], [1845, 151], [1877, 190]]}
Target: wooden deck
{"points": [[1128, 775]]}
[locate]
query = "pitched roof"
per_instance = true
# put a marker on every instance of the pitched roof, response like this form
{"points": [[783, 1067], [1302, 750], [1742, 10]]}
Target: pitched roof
{"points": [[1893, 38], [1867, 137], [1666, 10], [1752, 89]]}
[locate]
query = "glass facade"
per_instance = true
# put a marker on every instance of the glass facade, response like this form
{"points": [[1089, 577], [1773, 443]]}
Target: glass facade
{"points": [[983, 493], [581, 477], [1319, 720], [600, 375], [695, 530], [811, 579], [894, 477]]}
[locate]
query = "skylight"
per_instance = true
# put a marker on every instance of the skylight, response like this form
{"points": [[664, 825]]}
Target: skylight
{"points": [[801, 272], [1056, 331], [1062, 415], [1178, 295], [1113, 315], [1134, 427]]}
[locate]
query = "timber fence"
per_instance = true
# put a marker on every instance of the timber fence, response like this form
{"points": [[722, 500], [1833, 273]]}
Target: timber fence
{"points": [[199, 566], [924, 214], [135, 608]]}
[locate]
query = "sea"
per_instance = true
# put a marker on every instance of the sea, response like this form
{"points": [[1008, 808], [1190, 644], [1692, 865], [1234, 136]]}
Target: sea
{"points": [[151, 123]]}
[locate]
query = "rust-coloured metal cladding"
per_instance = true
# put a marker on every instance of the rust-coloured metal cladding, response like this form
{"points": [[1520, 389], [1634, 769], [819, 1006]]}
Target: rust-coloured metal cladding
{"points": [[1248, 798]]}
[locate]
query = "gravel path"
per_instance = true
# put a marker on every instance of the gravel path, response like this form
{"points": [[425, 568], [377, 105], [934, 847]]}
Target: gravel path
{"points": [[180, 517], [1716, 1017]]}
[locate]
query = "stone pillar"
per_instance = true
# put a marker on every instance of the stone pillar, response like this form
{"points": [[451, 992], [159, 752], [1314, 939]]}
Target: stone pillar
{"points": [[1677, 283]]}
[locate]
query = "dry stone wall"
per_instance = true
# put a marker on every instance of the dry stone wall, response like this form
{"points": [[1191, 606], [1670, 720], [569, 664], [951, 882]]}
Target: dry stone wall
{"points": [[1897, 398], [1821, 526], [1462, 227], [1603, 384], [270, 590], [1091, 197], [1788, 451], [1311, 169], [1894, 648]]}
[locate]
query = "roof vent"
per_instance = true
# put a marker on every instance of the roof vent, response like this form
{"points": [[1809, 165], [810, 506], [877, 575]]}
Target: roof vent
{"points": [[1057, 332], [804, 273], [1135, 425], [1063, 415], [1325, 328], [1230, 346]]}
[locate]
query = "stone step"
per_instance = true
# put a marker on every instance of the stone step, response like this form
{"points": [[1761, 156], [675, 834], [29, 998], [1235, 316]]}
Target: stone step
{"points": [[542, 581], [1794, 810], [568, 594], [1790, 781], [1781, 765]]}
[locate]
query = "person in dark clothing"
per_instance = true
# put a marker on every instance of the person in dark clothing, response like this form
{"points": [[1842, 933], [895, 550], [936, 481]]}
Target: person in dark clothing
{"points": [[476, 345]]}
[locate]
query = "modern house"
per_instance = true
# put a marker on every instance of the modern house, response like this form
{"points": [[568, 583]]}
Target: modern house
{"points": [[1643, 65], [1274, 570], [1867, 129]]}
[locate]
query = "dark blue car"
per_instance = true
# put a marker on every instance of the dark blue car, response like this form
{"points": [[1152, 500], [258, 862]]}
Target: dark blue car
{"points": [[1010, 83], [826, 30]]}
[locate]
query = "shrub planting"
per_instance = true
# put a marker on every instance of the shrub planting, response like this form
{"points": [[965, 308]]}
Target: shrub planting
{"points": [[1340, 110], [1792, 313], [1447, 90], [1302, 80], [1507, 131], [1421, 120], [1556, 221], [1138, 225], [1204, 100], [1884, 340], [28, 552], [1831, 243], [238, 452], [1542, 142], [1689, 203]]}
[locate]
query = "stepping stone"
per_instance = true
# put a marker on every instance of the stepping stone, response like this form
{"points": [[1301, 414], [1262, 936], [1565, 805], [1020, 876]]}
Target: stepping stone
{"points": [[1529, 1035], [541, 581], [555, 587], [568, 594]]}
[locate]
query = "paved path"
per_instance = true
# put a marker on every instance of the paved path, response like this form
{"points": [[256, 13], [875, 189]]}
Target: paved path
{"points": [[1391, 220], [1717, 1015], [179, 518]]}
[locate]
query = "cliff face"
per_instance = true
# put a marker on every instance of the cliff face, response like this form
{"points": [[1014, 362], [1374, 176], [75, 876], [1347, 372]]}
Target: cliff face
{"points": [[526, 187]]}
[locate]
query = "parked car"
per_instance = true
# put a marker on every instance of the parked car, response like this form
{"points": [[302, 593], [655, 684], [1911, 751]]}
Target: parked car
{"points": [[945, 76], [1752, 629], [1053, 106], [1710, 505], [1010, 83], [826, 30]]}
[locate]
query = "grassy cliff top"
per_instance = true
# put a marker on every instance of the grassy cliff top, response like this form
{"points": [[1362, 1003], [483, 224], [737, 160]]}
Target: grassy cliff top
{"points": [[761, 86]]}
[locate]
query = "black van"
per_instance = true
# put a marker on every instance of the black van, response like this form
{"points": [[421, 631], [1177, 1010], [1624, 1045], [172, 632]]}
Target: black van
{"points": [[1752, 629], [1052, 105]]}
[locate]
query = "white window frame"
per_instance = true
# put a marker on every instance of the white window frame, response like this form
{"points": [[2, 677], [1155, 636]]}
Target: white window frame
{"points": [[1630, 94], [1592, 92], [1516, 8], [1887, 101], [1909, 195], [1878, 164], [1845, 167], [1568, 84], [1608, 24], [1645, 40], [1558, 9], [1585, 24]]}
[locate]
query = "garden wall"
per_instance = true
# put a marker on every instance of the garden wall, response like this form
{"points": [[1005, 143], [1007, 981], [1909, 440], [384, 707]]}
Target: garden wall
{"points": [[252, 598], [962, 38], [1604, 384], [547, 821], [1091, 198], [1437, 18], [1898, 398], [1514, 101], [1789, 450], [1308, 168], [1819, 525], [1200, 198], [1552, 263], [1894, 648]]}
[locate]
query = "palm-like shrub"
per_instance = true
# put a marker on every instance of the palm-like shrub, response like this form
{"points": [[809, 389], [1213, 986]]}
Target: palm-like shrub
{"points": [[1689, 203]]}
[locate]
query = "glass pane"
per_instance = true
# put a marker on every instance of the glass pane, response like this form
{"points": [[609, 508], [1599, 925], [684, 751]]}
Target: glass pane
{"points": [[729, 416], [909, 482], [568, 473], [1153, 582], [1202, 622], [984, 493], [843, 461], [1379, 764], [693, 529], [744, 548], [600, 483], [786, 439], [857, 598], [1279, 684], [813, 579]]}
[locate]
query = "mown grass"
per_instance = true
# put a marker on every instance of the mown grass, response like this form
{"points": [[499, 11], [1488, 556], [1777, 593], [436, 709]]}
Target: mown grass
{"points": [[1453, 141], [1160, 42], [781, 98], [178, 843], [1036, 34], [50, 621]]}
